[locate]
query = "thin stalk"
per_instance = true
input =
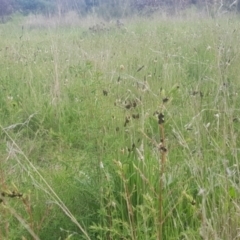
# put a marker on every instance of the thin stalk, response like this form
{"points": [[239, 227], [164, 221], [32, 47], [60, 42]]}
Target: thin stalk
{"points": [[162, 162], [128, 201]]}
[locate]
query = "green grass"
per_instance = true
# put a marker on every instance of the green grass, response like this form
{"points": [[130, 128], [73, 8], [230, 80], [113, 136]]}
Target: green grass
{"points": [[80, 140]]}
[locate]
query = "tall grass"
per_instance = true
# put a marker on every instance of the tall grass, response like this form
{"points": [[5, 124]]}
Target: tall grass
{"points": [[86, 153]]}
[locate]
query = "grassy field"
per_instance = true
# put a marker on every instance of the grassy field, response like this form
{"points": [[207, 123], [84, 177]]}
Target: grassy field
{"points": [[85, 150]]}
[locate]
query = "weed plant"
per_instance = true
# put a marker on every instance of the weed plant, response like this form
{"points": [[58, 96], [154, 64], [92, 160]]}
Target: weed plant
{"points": [[124, 132]]}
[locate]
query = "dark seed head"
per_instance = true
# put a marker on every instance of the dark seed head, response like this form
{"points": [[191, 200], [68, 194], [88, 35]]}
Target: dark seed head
{"points": [[165, 100], [105, 92], [128, 106], [127, 120], [135, 116], [193, 202], [163, 149], [161, 118]]}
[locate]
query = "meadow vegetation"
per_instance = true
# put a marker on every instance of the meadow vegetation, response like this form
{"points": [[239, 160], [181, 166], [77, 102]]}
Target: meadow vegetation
{"points": [[112, 131]]}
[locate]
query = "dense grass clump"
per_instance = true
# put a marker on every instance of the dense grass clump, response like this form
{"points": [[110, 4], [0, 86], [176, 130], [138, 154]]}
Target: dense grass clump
{"points": [[113, 131]]}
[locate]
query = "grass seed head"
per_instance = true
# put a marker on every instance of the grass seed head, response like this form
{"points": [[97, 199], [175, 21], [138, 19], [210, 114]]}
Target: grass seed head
{"points": [[121, 67], [161, 119]]}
